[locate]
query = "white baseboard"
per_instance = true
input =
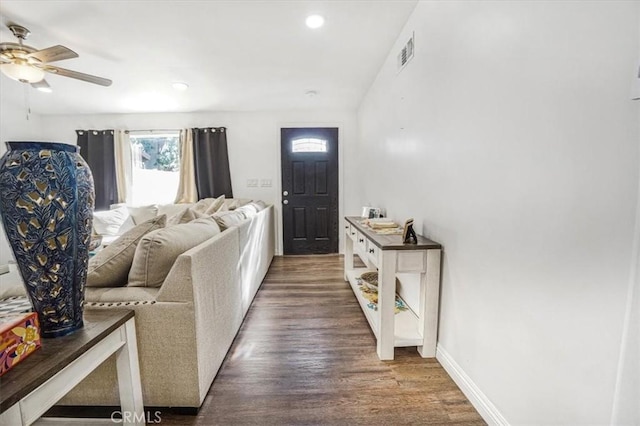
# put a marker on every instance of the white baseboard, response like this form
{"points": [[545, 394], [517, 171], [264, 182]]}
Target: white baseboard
{"points": [[478, 399]]}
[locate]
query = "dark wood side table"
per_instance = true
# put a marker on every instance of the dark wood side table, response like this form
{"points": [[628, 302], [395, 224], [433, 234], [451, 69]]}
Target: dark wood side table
{"points": [[30, 388]]}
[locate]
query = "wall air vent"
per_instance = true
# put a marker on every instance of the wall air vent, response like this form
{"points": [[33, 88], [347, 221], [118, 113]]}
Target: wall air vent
{"points": [[406, 53]]}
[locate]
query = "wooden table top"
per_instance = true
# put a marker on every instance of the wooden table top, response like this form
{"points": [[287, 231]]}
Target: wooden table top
{"points": [[391, 242], [57, 353]]}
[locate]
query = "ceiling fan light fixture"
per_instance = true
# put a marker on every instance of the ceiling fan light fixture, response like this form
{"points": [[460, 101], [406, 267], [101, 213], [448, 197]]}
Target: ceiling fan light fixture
{"points": [[28, 64], [23, 73]]}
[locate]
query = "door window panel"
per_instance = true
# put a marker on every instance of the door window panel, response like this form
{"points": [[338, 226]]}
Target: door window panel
{"points": [[308, 145]]}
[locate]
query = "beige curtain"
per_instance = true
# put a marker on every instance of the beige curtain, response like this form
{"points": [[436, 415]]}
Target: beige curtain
{"points": [[122, 150], [187, 192]]}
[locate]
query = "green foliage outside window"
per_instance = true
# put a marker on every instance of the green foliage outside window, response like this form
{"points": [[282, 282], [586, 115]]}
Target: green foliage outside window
{"points": [[161, 153]]}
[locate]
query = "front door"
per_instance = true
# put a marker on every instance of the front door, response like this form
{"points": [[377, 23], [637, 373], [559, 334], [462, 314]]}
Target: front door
{"points": [[310, 190]]}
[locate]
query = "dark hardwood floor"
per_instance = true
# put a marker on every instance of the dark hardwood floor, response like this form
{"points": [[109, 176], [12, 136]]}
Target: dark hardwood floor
{"points": [[305, 355]]}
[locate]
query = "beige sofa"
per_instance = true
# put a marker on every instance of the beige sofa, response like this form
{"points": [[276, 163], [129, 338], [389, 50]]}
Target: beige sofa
{"points": [[186, 326]]}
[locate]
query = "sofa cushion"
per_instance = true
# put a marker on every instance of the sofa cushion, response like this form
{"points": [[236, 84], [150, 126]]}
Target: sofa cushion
{"points": [[259, 204], [227, 219], [110, 266], [172, 209], [158, 250], [143, 213], [249, 210], [234, 203], [112, 222], [209, 206], [215, 205], [185, 216], [120, 296]]}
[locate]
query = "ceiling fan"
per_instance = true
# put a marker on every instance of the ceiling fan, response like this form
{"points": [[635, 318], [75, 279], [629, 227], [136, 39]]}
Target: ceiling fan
{"points": [[28, 65]]}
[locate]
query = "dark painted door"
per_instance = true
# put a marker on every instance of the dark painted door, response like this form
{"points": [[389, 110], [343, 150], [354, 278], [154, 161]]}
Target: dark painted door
{"points": [[310, 190]]}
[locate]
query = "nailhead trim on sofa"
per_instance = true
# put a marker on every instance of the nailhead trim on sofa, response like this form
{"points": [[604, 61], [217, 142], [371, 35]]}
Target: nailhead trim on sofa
{"points": [[110, 304]]}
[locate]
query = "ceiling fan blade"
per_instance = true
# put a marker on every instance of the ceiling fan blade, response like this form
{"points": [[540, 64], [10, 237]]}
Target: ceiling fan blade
{"points": [[77, 75], [52, 54], [40, 84]]}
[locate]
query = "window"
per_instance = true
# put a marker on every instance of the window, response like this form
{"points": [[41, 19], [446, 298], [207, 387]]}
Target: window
{"points": [[156, 167], [308, 145]]}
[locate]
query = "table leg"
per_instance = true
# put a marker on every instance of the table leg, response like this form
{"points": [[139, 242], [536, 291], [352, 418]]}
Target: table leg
{"points": [[11, 417], [348, 255], [386, 305], [129, 377], [430, 296]]}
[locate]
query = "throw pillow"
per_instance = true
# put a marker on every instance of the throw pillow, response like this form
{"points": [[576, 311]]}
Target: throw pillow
{"points": [[215, 205], [206, 204], [228, 219], [172, 209], [112, 222], [110, 266], [143, 213], [184, 217], [158, 250]]}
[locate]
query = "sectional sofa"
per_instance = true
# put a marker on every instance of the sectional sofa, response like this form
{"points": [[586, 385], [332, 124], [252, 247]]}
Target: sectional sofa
{"points": [[186, 326]]}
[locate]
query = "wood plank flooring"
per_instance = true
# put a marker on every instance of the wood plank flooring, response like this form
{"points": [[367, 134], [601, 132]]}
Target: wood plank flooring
{"points": [[305, 355]]}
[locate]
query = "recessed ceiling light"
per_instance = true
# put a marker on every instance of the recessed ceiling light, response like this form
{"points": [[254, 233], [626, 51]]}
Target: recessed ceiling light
{"points": [[45, 89], [314, 21], [178, 85]]}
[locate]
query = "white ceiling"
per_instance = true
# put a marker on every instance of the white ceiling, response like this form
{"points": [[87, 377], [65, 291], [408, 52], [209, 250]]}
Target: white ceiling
{"points": [[235, 55]]}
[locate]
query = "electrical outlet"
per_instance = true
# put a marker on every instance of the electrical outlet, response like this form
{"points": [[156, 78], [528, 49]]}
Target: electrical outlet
{"points": [[252, 183], [265, 183]]}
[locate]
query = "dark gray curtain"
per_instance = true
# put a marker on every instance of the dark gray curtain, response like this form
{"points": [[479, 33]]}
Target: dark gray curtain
{"points": [[211, 159], [97, 148]]}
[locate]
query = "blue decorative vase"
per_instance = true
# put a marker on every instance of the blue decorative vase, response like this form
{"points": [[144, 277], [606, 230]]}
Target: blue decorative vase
{"points": [[46, 202]]}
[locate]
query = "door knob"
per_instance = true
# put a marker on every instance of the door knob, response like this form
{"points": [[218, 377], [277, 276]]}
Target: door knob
{"points": [[285, 202], [285, 193]]}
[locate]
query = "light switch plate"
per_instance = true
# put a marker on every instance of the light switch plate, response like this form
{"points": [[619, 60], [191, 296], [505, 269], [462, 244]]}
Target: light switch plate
{"points": [[252, 183], [265, 183]]}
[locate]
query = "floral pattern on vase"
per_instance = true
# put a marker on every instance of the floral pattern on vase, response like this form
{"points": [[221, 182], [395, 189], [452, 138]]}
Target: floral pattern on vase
{"points": [[46, 201]]}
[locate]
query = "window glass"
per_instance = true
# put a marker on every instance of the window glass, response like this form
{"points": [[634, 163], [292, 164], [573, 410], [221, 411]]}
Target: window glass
{"points": [[156, 168], [309, 145]]}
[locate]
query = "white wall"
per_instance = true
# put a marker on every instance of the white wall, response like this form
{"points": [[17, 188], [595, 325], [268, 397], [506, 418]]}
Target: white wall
{"points": [[253, 141], [511, 138], [626, 408], [14, 126]]}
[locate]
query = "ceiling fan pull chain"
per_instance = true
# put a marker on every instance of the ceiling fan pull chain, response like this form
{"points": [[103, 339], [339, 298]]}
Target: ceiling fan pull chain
{"points": [[27, 104]]}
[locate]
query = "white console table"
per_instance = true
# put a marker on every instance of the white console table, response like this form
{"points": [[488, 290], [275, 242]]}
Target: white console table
{"points": [[394, 260]]}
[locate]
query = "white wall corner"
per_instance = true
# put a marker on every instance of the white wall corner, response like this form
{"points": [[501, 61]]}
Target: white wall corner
{"points": [[478, 399]]}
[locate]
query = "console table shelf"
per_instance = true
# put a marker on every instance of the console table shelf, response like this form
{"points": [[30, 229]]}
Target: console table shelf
{"points": [[413, 265], [405, 324]]}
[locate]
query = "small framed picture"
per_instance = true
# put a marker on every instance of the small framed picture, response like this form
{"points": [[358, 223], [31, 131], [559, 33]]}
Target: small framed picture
{"points": [[408, 234], [371, 212]]}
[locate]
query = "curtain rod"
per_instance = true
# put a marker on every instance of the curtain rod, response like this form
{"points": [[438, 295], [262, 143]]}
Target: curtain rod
{"points": [[222, 129], [153, 130]]}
